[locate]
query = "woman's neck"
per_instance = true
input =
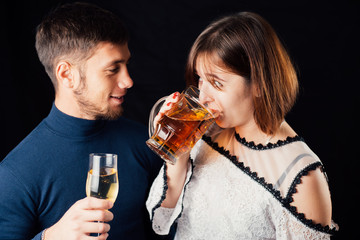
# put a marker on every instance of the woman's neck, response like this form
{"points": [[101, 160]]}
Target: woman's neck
{"points": [[251, 132]]}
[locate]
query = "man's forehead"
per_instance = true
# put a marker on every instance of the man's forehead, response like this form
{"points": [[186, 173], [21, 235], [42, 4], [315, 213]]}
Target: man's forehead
{"points": [[110, 52]]}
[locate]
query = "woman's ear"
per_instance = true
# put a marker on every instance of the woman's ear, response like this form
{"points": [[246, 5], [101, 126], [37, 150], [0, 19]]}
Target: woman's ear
{"points": [[256, 90], [64, 74]]}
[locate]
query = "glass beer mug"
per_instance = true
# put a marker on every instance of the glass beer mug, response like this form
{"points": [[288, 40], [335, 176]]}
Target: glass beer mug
{"points": [[181, 127]]}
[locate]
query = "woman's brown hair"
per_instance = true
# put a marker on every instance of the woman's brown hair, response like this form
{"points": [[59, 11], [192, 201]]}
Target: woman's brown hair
{"points": [[247, 45]]}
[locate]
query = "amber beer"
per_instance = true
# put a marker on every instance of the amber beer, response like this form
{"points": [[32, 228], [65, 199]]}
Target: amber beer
{"points": [[180, 128]]}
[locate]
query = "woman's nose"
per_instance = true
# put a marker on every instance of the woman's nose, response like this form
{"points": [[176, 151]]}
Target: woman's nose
{"points": [[204, 98]]}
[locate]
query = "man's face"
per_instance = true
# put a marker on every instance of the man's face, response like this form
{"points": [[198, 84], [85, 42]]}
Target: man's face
{"points": [[104, 82]]}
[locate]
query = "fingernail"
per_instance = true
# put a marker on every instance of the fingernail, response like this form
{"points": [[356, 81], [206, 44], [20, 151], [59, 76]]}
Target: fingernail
{"points": [[175, 95]]}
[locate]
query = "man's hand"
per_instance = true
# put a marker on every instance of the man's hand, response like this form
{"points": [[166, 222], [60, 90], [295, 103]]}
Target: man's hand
{"points": [[88, 215]]}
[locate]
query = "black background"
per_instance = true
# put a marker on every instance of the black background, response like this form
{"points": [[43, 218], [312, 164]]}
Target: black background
{"points": [[320, 36]]}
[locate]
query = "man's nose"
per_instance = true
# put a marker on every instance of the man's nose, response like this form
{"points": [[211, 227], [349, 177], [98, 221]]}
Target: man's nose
{"points": [[125, 80]]}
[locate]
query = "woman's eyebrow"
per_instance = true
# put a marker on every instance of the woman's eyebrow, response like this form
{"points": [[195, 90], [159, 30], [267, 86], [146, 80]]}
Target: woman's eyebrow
{"points": [[214, 76]]}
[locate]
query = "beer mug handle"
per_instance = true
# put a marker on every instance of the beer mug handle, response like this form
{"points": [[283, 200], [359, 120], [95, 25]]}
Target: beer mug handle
{"points": [[154, 111]]}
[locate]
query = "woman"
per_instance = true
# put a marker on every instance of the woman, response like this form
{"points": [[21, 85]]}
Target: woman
{"points": [[253, 178]]}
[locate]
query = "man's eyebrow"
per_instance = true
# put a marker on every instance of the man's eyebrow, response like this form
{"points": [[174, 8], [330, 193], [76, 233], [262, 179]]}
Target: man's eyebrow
{"points": [[117, 62], [123, 60]]}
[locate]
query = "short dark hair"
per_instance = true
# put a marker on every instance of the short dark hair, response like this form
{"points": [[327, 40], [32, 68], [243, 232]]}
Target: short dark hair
{"points": [[247, 45], [73, 31]]}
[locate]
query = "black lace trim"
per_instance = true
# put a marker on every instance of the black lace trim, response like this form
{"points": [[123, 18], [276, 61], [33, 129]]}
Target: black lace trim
{"points": [[165, 188], [279, 143], [163, 196], [268, 186], [185, 187]]}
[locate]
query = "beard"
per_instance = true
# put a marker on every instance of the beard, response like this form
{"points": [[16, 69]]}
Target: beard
{"points": [[92, 109], [96, 112]]}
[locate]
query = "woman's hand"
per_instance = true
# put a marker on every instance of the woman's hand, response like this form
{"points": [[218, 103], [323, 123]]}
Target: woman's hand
{"points": [[167, 105], [176, 174]]}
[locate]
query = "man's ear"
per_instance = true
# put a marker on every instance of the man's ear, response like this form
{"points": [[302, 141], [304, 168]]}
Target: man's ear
{"points": [[64, 74]]}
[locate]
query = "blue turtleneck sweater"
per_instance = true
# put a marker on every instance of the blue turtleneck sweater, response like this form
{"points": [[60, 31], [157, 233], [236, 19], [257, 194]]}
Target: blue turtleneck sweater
{"points": [[46, 174]]}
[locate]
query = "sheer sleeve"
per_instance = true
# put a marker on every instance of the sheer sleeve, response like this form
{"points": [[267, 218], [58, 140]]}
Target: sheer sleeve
{"points": [[163, 218]]}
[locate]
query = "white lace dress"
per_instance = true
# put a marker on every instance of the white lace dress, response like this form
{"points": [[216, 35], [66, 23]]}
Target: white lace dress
{"points": [[248, 198]]}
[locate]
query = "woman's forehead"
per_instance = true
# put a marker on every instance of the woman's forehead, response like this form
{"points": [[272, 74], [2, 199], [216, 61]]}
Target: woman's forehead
{"points": [[209, 63]]}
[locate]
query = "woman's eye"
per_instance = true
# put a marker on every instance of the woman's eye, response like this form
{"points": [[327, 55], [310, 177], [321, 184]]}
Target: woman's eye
{"points": [[217, 84]]}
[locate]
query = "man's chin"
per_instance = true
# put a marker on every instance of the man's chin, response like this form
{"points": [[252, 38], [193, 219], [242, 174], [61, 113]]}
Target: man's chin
{"points": [[111, 114]]}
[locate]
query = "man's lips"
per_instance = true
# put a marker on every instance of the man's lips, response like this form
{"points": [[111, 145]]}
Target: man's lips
{"points": [[118, 99]]}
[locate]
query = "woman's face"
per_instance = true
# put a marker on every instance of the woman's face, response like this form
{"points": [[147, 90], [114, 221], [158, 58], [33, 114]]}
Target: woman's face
{"points": [[229, 91]]}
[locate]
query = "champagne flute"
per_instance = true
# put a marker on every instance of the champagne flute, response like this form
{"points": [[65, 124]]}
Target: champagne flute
{"points": [[102, 179]]}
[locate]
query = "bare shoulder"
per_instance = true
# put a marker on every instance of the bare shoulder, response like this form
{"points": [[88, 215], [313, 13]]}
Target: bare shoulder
{"points": [[313, 197]]}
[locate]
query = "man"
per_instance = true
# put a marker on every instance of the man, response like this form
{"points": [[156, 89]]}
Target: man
{"points": [[42, 181]]}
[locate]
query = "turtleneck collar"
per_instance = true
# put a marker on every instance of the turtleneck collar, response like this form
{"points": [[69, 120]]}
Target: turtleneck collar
{"points": [[73, 127]]}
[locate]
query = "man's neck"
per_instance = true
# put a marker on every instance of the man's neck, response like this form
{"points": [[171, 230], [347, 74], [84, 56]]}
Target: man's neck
{"points": [[67, 104]]}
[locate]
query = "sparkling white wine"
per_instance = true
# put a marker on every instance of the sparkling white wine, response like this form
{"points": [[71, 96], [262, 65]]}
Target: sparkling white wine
{"points": [[102, 184]]}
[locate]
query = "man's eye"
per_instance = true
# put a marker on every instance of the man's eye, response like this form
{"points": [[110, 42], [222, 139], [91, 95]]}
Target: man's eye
{"points": [[113, 70]]}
